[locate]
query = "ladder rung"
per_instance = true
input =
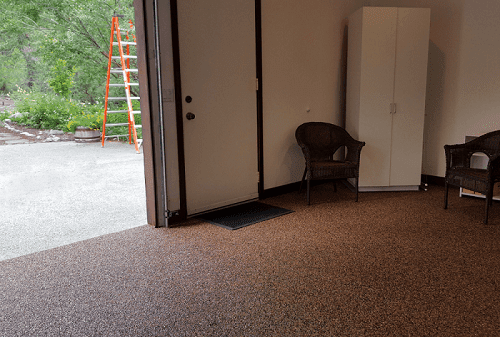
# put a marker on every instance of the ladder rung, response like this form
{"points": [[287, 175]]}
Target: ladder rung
{"points": [[123, 112], [116, 124], [120, 70], [125, 43], [112, 136], [125, 57], [122, 84], [138, 126], [122, 98]]}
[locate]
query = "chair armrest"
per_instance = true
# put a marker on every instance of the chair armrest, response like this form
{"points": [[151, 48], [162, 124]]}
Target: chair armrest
{"points": [[494, 165], [354, 150], [458, 155], [306, 152]]}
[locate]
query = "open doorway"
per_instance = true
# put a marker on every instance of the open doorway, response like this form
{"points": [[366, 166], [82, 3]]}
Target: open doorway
{"points": [[55, 191]]}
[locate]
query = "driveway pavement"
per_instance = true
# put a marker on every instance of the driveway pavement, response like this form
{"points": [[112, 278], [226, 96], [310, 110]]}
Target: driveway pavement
{"points": [[53, 194]]}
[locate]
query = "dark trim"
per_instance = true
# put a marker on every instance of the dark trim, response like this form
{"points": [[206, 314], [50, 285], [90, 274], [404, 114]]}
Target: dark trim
{"points": [[260, 107], [432, 180], [176, 220], [179, 114], [284, 189], [152, 143]]}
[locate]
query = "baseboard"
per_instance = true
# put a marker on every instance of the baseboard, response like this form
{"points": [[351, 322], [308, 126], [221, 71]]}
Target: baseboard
{"points": [[432, 180], [279, 190]]}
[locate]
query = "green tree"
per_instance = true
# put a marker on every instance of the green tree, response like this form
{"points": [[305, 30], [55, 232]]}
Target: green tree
{"points": [[12, 70], [46, 31], [62, 78]]}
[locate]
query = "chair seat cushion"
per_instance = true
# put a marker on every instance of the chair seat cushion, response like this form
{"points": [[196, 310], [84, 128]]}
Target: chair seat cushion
{"points": [[469, 178], [333, 169]]}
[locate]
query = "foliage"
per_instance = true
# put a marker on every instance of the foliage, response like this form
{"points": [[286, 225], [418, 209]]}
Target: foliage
{"points": [[46, 31], [47, 110], [62, 78], [90, 119], [12, 70]]}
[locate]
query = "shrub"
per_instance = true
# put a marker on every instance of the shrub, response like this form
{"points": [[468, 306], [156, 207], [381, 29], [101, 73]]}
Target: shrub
{"points": [[92, 118], [44, 110]]}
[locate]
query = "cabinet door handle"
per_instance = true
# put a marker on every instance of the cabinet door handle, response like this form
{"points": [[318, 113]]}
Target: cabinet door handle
{"points": [[392, 107]]}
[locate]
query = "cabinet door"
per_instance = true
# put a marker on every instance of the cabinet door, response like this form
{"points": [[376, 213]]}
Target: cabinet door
{"points": [[376, 93], [410, 77]]}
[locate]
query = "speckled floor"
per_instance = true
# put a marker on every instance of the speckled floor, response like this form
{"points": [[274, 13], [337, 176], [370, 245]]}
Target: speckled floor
{"points": [[393, 264]]}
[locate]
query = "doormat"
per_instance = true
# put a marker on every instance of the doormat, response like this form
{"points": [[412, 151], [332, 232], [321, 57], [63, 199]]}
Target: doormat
{"points": [[243, 215]]}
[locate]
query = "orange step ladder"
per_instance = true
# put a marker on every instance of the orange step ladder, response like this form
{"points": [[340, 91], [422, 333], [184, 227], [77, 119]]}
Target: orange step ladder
{"points": [[125, 70]]}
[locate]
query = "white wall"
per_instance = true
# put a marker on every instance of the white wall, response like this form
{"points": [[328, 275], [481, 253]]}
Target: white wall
{"points": [[302, 44]]}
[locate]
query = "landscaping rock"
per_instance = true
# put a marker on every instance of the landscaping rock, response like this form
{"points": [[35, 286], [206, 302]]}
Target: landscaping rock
{"points": [[56, 132], [17, 115]]}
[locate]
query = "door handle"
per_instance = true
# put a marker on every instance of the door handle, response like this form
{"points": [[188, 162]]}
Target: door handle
{"points": [[190, 116]]}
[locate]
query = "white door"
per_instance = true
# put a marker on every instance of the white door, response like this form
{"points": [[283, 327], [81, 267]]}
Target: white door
{"points": [[410, 79], [378, 35], [218, 73]]}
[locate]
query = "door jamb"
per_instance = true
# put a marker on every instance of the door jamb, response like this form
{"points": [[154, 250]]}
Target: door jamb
{"points": [[154, 164]]}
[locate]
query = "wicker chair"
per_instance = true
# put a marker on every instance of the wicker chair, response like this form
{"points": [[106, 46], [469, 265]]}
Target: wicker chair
{"points": [[459, 173], [319, 141]]}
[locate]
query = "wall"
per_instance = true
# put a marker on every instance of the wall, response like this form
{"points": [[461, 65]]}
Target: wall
{"points": [[302, 44]]}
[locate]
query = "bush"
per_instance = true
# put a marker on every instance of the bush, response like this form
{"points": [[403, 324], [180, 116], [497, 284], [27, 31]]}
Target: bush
{"points": [[91, 117], [44, 110]]}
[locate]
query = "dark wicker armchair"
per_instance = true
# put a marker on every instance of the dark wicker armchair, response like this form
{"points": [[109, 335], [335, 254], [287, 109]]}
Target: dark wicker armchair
{"points": [[319, 142], [459, 172]]}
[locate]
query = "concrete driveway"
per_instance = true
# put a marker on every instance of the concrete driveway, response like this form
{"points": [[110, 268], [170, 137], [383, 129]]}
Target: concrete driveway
{"points": [[54, 194]]}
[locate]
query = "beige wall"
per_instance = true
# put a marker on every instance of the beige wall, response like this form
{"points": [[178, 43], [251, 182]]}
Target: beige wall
{"points": [[302, 43]]}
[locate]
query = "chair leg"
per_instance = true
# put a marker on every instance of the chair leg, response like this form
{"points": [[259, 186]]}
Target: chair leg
{"points": [[302, 181], [489, 200], [446, 195], [357, 188], [308, 190]]}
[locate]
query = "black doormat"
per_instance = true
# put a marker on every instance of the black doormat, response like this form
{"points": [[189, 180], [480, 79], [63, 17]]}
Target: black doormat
{"points": [[243, 215]]}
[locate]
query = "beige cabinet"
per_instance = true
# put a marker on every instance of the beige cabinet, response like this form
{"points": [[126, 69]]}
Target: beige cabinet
{"points": [[386, 86]]}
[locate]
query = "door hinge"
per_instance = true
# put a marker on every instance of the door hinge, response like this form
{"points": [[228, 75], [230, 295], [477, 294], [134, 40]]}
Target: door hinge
{"points": [[171, 214], [257, 84]]}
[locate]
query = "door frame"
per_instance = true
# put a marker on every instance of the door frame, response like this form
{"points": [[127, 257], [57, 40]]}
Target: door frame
{"points": [[150, 52]]}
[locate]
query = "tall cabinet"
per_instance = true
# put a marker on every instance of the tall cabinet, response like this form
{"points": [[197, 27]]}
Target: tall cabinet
{"points": [[386, 85]]}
